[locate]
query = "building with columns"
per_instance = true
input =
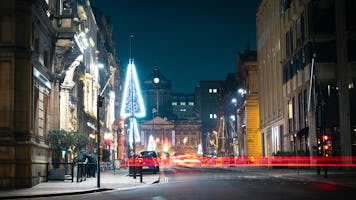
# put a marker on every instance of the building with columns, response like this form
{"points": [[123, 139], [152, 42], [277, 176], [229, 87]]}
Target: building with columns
{"points": [[248, 119], [50, 81]]}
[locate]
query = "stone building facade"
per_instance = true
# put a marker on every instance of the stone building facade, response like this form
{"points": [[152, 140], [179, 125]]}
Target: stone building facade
{"points": [[49, 81], [26, 69], [272, 123], [248, 123], [306, 55]]}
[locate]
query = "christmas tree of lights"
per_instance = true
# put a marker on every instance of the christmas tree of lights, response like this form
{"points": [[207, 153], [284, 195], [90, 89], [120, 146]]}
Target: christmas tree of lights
{"points": [[132, 102]]}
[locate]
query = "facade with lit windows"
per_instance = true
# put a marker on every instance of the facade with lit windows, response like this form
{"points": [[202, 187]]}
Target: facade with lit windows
{"points": [[183, 106], [207, 102], [313, 55], [270, 73]]}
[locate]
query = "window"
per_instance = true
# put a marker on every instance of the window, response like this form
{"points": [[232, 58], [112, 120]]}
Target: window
{"points": [[6, 82], [290, 116], [182, 103], [191, 103], [305, 97], [322, 17], [325, 51], [291, 40], [351, 49], [281, 134], [285, 4], [300, 111], [183, 110], [46, 59], [213, 90], [300, 30], [213, 116], [350, 15], [174, 103]]}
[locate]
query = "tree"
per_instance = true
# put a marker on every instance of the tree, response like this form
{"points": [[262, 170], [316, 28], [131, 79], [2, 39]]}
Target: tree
{"points": [[79, 141], [60, 140]]}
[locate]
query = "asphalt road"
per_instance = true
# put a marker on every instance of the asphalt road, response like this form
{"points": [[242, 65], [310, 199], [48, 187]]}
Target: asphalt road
{"points": [[215, 184]]}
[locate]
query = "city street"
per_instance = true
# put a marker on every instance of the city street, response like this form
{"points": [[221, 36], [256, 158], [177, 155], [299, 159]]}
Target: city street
{"points": [[220, 183]]}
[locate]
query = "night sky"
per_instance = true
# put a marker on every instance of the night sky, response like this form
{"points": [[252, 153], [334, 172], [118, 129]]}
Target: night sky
{"points": [[189, 40]]}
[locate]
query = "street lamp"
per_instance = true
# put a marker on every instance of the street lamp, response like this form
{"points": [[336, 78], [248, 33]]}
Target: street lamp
{"points": [[235, 120], [100, 100]]}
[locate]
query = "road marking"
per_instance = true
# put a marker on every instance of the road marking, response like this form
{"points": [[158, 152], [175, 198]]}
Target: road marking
{"points": [[158, 198], [165, 179]]}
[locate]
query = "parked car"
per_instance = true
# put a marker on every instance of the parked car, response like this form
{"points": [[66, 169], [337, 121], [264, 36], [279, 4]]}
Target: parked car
{"points": [[149, 161]]}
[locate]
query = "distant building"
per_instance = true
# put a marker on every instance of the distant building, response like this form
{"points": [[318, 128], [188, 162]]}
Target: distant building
{"points": [[206, 98], [188, 136], [165, 136], [248, 115], [157, 94], [183, 106], [172, 121]]}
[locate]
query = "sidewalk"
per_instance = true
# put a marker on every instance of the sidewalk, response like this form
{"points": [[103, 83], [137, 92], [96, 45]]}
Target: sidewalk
{"points": [[108, 181]]}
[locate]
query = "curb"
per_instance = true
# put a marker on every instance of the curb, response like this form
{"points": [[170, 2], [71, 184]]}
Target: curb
{"points": [[58, 194]]}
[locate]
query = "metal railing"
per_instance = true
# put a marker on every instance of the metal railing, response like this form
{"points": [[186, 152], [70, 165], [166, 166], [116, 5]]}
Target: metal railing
{"points": [[67, 171]]}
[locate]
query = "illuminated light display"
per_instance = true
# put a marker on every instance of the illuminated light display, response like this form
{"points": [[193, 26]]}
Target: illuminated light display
{"points": [[151, 146], [132, 104], [133, 131]]}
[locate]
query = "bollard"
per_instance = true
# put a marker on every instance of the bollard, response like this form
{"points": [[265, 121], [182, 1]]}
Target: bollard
{"points": [[141, 173], [134, 168]]}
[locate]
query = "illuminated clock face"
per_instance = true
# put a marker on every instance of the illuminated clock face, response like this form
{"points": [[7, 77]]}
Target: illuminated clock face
{"points": [[156, 80]]}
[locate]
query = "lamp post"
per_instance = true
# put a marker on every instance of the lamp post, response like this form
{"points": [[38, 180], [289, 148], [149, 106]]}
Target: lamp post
{"points": [[154, 110], [234, 140], [100, 99], [99, 104]]}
